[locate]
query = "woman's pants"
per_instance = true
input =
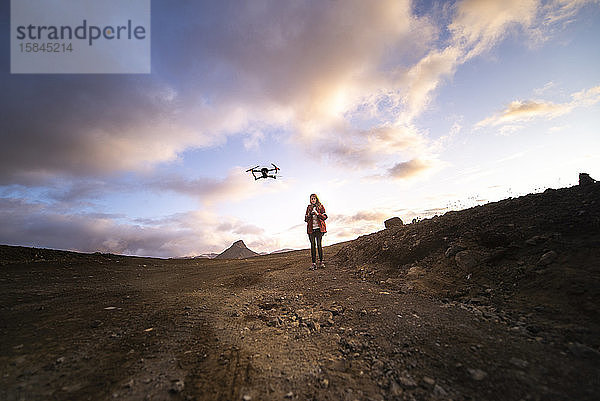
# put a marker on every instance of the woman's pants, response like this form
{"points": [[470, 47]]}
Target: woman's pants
{"points": [[316, 236]]}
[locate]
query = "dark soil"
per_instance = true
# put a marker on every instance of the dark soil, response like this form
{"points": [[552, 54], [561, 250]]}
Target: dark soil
{"points": [[497, 302]]}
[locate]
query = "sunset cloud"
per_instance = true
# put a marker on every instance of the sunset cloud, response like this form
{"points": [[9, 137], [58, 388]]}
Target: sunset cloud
{"points": [[409, 169], [192, 233], [316, 73], [525, 110], [363, 217], [521, 111], [301, 66], [236, 186]]}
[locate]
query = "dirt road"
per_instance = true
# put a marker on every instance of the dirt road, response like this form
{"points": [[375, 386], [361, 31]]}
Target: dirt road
{"points": [[97, 327]]}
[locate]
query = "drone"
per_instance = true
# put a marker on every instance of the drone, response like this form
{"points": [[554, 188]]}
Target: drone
{"points": [[263, 172]]}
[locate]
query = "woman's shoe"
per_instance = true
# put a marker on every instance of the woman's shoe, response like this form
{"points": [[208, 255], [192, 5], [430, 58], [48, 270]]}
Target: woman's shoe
{"points": [[313, 267], [322, 265]]}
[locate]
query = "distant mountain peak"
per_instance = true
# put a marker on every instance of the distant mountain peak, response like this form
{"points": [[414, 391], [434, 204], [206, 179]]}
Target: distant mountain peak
{"points": [[237, 250]]}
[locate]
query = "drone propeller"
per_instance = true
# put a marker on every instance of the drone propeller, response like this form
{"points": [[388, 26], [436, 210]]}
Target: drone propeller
{"points": [[276, 168], [250, 169]]}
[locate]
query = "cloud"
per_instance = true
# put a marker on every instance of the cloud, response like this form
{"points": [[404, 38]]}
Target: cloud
{"points": [[299, 66], [363, 216], [311, 67], [80, 126], [426, 76], [524, 111], [368, 147], [409, 169], [586, 97], [313, 70], [521, 111], [68, 194], [476, 27], [563, 10], [235, 187], [479, 24], [253, 140], [192, 233]]}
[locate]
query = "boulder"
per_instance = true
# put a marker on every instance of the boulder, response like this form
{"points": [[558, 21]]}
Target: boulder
{"points": [[393, 222], [468, 259], [585, 179]]}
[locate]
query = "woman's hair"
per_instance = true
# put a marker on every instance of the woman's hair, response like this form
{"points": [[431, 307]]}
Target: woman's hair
{"points": [[315, 195]]}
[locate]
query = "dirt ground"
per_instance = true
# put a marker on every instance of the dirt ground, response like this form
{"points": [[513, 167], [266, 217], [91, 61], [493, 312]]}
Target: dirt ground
{"points": [[498, 302]]}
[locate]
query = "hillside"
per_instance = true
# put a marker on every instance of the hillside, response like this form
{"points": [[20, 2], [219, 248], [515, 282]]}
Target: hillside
{"points": [[497, 302]]}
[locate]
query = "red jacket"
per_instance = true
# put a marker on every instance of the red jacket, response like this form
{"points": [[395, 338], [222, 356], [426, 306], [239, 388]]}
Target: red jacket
{"points": [[321, 217]]}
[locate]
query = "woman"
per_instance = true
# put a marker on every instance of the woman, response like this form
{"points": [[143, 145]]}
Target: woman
{"points": [[315, 226]]}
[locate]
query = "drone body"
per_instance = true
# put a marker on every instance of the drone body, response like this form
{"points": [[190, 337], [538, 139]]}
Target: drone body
{"points": [[263, 172]]}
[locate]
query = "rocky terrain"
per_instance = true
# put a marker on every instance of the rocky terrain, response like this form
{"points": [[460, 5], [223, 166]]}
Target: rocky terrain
{"points": [[497, 302]]}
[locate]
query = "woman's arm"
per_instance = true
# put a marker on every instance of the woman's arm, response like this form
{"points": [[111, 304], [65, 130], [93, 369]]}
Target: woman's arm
{"points": [[321, 213], [307, 214]]}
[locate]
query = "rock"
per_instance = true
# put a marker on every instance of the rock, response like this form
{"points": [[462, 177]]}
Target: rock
{"points": [[547, 258], [324, 318], [247, 398], [585, 179], [415, 271], [519, 363], [439, 391], [536, 239], [395, 389], [428, 382], [177, 386], [95, 324], [377, 366], [407, 382], [304, 315], [316, 326], [479, 300], [72, 388], [393, 222], [336, 309], [453, 250], [18, 361], [477, 374], [289, 395], [493, 239], [468, 259]]}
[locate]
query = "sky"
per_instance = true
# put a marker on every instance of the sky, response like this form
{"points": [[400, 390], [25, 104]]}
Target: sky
{"points": [[381, 108]]}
